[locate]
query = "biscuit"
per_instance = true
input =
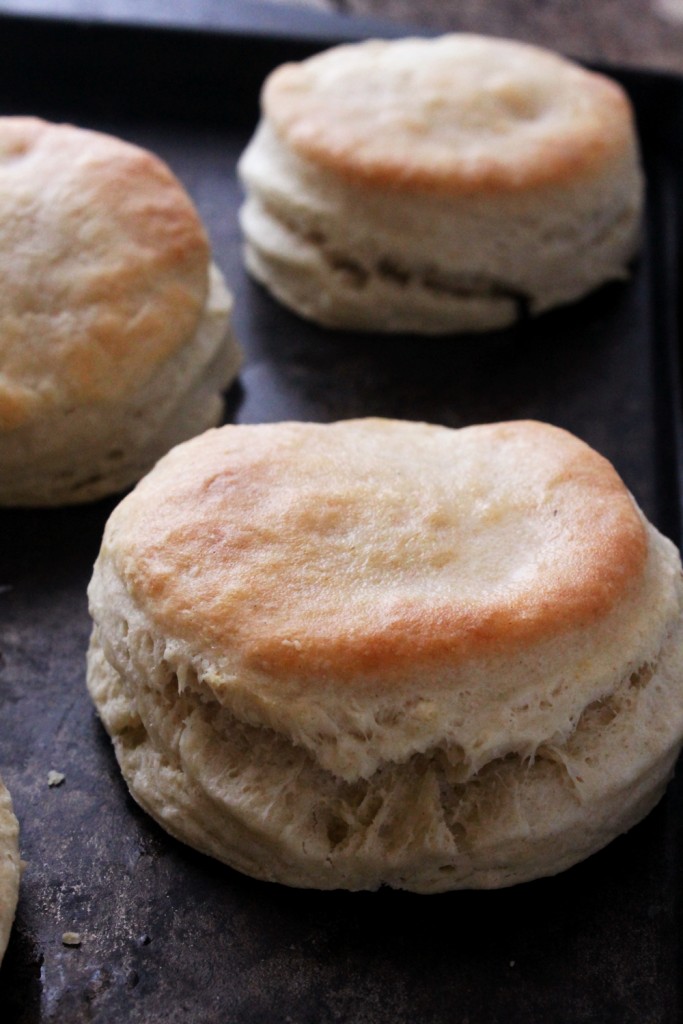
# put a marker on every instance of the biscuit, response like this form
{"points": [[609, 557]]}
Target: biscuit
{"points": [[381, 652], [439, 185], [10, 867], [115, 341]]}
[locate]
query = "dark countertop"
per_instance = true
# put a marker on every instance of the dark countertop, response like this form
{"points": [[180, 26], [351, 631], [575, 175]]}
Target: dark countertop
{"points": [[637, 33]]}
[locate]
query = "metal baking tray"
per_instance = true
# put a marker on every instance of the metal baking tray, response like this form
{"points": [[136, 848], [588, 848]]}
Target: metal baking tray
{"points": [[167, 934]]}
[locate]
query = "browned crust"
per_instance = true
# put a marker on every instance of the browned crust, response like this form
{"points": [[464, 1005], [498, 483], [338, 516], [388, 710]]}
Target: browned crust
{"points": [[460, 114], [329, 552], [105, 266]]}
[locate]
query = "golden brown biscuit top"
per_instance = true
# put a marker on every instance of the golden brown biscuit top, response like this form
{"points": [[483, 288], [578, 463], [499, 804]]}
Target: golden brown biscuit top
{"points": [[367, 547], [103, 267], [460, 113]]}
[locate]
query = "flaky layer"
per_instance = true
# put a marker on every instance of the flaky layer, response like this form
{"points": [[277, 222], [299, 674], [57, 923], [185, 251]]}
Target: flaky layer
{"points": [[349, 256], [249, 797]]}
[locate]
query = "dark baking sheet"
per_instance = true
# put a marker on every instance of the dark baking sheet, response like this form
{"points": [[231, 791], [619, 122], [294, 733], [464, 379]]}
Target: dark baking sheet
{"points": [[167, 934]]}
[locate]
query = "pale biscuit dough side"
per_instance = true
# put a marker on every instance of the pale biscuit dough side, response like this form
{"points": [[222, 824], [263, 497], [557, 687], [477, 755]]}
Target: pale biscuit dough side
{"points": [[367, 259], [251, 798]]}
